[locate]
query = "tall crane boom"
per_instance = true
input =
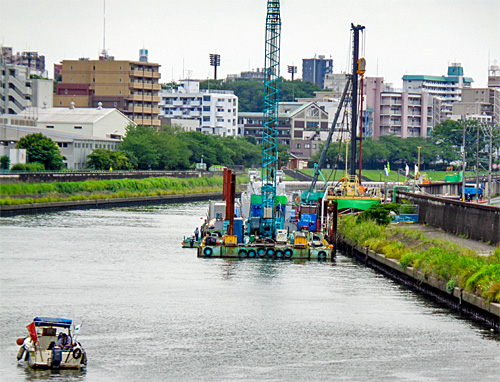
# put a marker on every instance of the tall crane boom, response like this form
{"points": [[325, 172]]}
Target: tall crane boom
{"points": [[270, 119]]}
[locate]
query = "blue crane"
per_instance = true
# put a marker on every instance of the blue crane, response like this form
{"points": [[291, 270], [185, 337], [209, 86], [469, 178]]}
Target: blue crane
{"points": [[270, 122]]}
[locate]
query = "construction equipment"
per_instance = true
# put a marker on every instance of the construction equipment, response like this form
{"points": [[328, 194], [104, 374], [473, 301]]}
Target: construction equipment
{"points": [[270, 123]]}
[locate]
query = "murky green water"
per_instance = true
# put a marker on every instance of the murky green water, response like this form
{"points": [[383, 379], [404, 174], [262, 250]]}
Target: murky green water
{"points": [[152, 311]]}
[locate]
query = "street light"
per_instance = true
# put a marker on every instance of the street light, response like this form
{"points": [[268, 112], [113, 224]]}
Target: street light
{"points": [[215, 62], [292, 69]]}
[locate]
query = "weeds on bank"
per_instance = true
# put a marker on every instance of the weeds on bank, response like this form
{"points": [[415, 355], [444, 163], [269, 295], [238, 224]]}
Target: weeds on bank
{"points": [[27, 193], [447, 261]]}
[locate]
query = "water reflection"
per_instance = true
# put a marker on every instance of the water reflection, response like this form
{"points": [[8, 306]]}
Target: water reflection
{"points": [[52, 375]]}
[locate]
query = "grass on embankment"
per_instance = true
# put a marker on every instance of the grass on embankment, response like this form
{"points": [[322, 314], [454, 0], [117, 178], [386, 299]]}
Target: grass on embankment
{"points": [[449, 262], [30, 193]]}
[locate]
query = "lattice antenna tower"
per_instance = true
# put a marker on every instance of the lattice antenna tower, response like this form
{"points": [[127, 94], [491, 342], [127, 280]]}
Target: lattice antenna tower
{"points": [[270, 123]]}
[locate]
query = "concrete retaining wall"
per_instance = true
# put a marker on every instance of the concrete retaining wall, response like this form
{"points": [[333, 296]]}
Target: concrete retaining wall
{"points": [[458, 299], [476, 221]]}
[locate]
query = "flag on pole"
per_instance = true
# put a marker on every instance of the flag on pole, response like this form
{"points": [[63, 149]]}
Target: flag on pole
{"points": [[32, 331], [388, 168], [77, 329], [416, 170], [407, 170]]}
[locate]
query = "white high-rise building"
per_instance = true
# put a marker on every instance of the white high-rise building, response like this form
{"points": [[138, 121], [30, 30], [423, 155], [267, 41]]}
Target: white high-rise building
{"points": [[445, 90], [216, 110]]}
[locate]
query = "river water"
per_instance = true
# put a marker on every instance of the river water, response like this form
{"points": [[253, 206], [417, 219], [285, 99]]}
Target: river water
{"points": [[152, 311]]}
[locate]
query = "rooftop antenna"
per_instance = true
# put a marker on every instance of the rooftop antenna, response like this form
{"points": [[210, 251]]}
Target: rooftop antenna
{"points": [[104, 52]]}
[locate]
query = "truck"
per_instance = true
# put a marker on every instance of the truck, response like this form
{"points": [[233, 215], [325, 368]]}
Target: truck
{"points": [[470, 190]]}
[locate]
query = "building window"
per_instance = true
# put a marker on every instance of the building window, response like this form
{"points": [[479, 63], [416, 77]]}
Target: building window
{"points": [[49, 127], [120, 80], [298, 145], [71, 68], [115, 103], [78, 127], [307, 146], [206, 108]]}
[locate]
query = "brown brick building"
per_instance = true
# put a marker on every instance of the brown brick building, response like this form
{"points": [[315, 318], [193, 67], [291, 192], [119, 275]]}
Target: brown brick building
{"points": [[129, 86]]}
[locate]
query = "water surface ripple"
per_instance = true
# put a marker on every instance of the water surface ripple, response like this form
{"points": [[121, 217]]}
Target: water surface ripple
{"points": [[152, 311]]}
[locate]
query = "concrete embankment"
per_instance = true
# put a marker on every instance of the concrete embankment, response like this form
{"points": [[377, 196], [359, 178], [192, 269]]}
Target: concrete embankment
{"points": [[23, 209], [458, 299]]}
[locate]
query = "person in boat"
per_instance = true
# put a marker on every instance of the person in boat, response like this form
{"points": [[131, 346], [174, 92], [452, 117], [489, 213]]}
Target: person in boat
{"points": [[64, 341]]}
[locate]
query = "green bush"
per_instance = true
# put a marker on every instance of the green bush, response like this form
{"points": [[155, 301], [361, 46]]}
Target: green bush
{"points": [[379, 213], [35, 166]]}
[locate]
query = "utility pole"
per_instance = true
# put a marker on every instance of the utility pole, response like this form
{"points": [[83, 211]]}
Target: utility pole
{"points": [[490, 149], [477, 163], [463, 158]]}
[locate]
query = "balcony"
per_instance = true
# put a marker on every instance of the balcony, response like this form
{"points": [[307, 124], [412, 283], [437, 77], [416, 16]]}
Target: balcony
{"points": [[140, 86]]}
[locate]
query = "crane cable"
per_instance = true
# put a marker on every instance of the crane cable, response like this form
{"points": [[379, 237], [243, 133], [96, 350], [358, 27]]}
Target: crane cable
{"points": [[334, 172]]}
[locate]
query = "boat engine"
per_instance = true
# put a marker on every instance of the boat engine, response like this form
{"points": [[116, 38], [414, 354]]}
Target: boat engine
{"points": [[56, 356]]}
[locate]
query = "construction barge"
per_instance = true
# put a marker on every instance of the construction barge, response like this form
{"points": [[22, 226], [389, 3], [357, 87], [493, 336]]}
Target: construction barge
{"points": [[234, 229]]}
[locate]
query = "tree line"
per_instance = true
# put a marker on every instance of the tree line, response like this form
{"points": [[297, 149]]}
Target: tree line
{"points": [[145, 148], [441, 150]]}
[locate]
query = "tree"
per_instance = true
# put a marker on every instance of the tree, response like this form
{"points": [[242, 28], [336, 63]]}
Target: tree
{"points": [[251, 93], [4, 162], [42, 149], [103, 159], [138, 141]]}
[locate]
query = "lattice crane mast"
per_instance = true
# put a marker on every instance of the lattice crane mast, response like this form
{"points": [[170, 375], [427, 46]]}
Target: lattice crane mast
{"points": [[270, 119]]}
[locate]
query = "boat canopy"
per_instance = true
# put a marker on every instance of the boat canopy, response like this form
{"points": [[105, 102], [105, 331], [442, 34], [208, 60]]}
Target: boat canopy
{"points": [[52, 321]]}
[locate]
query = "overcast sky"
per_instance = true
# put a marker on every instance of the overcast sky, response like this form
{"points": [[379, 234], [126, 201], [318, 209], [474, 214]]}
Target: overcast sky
{"points": [[401, 37]]}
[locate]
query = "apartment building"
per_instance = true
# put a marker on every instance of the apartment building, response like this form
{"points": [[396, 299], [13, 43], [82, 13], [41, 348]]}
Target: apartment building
{"points": [[18, 91], [301, 125], [483, 103], [33, 60], [400, 113], [335, 83], [446, 90], [216, 110], [315, 69], [129, 86]]}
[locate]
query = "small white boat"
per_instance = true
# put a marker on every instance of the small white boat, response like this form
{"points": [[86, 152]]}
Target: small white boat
{"points": [[52, 344]]}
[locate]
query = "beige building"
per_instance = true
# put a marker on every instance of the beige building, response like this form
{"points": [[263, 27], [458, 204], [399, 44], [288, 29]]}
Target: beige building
{"points": [[129, 86]]}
